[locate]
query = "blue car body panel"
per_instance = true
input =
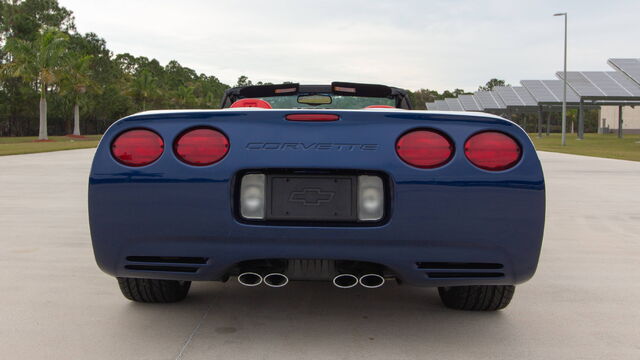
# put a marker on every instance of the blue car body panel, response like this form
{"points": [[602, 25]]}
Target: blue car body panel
{"points": [[454, 213]]}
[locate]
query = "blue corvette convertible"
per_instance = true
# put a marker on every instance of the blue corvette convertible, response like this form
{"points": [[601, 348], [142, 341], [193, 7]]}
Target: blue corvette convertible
{"points": [[340, 183]]}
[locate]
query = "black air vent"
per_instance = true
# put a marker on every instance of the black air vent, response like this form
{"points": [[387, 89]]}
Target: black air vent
{"points": [[168, 259], [166, 263], [162, 268], [457, 266], [448, 270], [448, 275]]}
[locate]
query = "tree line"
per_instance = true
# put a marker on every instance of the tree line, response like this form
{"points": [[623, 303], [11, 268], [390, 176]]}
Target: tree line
{"points": [[51, 76], [56, 80]]}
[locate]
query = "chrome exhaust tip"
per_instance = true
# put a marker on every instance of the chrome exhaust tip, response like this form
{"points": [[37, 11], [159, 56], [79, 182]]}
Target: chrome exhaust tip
{"points": [[371, 281], [250, 279], [276, 280], [345, 281]]}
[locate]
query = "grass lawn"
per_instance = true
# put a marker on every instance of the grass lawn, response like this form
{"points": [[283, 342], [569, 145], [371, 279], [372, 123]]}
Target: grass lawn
{"points": [[27, 144], [606, 146]]}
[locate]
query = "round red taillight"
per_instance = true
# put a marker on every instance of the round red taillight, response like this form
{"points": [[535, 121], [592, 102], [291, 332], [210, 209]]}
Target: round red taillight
{"points": [[138, 147], [492, 151], [426, 149], [201, 147]]}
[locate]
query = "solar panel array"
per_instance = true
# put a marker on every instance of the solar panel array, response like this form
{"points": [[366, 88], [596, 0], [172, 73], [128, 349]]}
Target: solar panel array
{"points": [[489, 100], [470, 103], [515, 96], [462, 103], [442, 105], [602, 84], [454, 104], [434, 105], [507, 95], [620, 87], [524, 95], [439, 105], [548, 91], [629, 67]]}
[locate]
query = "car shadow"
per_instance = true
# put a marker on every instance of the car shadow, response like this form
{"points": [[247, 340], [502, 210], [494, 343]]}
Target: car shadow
{"points": [[320, 314]]}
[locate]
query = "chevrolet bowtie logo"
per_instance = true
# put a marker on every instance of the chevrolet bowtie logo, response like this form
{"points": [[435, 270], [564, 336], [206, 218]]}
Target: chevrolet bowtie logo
{"points": [[311, 196]]}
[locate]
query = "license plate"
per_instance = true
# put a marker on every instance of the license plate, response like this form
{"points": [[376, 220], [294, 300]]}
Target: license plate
{"points": [[311, 198]]}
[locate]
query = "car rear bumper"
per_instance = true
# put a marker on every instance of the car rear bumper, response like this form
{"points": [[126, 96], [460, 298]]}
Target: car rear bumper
{"points": [[429, 223], [403, 262]]}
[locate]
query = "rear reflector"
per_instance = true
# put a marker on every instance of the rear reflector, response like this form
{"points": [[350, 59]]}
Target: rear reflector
{"points": [[201, 146], [493, 151], [425, 149], [312, 117], [138, 147]]}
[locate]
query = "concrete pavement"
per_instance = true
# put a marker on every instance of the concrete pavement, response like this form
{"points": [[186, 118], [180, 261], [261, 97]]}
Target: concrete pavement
{"points": [[584, 302]]}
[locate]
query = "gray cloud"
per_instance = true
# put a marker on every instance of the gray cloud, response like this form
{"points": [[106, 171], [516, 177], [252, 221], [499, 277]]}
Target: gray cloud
{"points": [[411, 44]]}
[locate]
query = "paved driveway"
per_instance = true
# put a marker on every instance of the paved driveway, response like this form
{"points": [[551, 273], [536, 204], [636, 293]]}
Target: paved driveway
{"points": [[584, 302]]}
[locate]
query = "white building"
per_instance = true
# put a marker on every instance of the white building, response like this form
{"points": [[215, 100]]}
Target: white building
{"points": [[630, 119]]}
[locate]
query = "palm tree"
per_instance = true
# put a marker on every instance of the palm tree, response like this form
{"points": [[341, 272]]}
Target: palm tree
{"points": [[144, 87], [183, 97], [39, 62], [210, 101], [75, 82]]}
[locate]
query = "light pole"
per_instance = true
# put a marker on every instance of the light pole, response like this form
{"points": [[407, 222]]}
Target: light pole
{"points": [[564, 77]]}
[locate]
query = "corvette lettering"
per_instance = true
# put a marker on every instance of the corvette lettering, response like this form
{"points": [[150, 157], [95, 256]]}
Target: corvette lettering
{"points": [[311, 146]]}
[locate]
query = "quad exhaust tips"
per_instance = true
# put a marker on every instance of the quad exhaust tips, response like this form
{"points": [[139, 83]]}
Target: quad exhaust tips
{"points": [[276, 280], [371, 281], [250, 279], [342, 281]]}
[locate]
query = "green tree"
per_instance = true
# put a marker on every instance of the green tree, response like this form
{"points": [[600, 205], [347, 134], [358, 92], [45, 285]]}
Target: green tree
{"points": [[183, 97], [420, 97], [209, 101], [119, 84], [26, 19], [454, 93], [491, 84], [127, 63], [75, 82], [38, 62], [144, 87], [209, 90], [244, 81]]}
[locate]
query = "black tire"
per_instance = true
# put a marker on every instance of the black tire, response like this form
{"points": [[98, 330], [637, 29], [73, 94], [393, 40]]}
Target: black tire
{"points": [[477, 297], [153, 291]]}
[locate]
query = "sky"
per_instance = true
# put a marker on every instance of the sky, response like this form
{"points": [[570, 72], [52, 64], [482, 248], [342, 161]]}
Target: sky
{"points": [[409, 44]]}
